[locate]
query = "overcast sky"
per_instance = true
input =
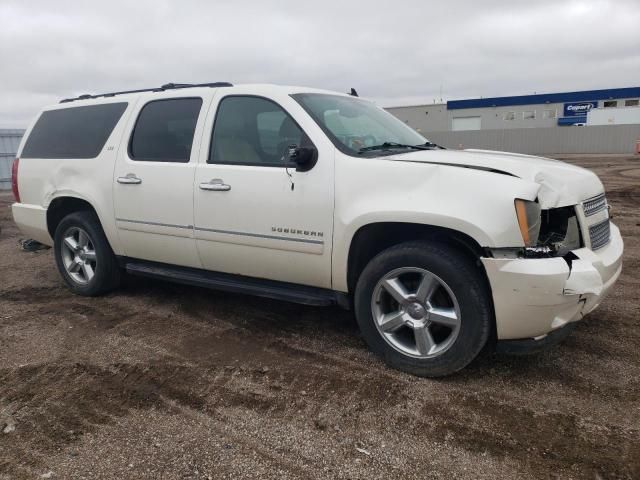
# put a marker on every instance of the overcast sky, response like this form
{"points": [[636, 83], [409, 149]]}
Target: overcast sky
{"points": [[395, 52]]}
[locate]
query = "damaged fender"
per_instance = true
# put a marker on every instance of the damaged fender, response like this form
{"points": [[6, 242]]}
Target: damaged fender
{"points": [[583, 279]]}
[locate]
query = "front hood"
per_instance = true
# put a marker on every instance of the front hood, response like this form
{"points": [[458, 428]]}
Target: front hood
{"points": [[561, 184]]}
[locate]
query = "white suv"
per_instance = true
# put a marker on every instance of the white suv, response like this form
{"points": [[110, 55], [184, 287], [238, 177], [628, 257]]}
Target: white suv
{"points": [[319, 198]]}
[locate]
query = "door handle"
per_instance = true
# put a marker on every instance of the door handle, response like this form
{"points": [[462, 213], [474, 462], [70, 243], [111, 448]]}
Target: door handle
{"points": [[130, 179], [216, 185]]}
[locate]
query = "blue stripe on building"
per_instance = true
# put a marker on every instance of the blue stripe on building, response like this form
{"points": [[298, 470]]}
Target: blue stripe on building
{"points": [[572, 120], [584, 96]]}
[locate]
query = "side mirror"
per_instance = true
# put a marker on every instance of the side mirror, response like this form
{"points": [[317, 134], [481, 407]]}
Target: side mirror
{"points": [[303, 158]]}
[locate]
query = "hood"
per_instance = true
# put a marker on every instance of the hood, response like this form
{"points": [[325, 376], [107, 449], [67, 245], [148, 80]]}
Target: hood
{"points": [[561, 184]]}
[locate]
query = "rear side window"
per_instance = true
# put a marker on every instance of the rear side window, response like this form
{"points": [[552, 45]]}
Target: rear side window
{"points": [[77, 132], [164, 130]]}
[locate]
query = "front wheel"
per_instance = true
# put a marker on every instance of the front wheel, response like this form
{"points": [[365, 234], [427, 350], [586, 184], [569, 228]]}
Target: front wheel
{"points": [[83, 255], [424, 308]]}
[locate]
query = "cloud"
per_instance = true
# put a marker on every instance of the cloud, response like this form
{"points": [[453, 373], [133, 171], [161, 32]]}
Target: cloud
{"points": [[394, 52]]}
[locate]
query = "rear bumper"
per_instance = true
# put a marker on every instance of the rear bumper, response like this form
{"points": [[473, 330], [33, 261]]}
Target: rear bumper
{"points": [[32, 222], [533, 297]]}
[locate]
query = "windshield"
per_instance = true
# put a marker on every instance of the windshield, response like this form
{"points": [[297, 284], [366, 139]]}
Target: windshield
{"points": [[358, 127]]}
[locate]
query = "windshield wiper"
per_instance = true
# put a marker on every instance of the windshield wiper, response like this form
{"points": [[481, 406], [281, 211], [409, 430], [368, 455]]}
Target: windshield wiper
{"points": [[390, 145]]}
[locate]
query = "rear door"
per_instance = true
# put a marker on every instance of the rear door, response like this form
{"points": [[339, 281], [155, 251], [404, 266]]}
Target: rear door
{"points": [[153, 178]]}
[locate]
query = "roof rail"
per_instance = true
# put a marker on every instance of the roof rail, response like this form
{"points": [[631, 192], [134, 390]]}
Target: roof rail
{"points": [[166, 86]]}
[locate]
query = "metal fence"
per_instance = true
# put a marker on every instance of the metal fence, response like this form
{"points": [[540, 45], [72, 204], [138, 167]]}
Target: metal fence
{"points": [[603, 139], [9, 141]]}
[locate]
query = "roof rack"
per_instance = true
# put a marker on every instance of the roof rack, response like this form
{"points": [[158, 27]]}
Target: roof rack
{"points": [[166, 86]]}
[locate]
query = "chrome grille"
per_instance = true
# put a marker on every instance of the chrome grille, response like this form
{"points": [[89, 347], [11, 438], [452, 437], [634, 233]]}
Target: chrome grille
{"points": [[594, 204], [599, 234]]}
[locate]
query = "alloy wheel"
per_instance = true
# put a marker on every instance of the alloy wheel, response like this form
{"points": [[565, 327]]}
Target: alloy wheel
{"points": [[416, 312], [79, 255]]}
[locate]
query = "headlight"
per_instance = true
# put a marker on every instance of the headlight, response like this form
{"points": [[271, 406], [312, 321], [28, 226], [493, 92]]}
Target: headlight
{"points": [[528, 214]]}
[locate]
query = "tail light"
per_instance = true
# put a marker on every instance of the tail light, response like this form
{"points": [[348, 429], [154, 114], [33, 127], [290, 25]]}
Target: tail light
{"points": [[14, 179]]}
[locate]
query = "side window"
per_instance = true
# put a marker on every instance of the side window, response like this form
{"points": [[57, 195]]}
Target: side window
{"points": [[164, 130], [76, 132], [268, 125], [253, 131]]}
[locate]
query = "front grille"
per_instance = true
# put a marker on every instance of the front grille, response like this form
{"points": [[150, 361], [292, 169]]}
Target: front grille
{"points": [[594, 204], [599, 234]]}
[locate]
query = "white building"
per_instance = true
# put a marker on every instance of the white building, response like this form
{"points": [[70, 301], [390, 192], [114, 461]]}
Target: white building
{"points": [[525, 111]]}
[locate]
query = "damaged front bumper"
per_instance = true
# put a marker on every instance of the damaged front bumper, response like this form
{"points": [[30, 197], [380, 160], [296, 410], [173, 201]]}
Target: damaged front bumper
{"points": [[534, 296]]}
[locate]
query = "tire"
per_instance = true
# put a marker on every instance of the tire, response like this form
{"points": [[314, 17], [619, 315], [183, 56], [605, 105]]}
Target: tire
{"points": [[428, 338], [80, 241]]}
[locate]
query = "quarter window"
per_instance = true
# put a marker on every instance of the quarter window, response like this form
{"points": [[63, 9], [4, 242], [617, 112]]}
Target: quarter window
{"points": [[510, 116], [253, 131], [631, 103], [610, 104], [529, 115], [76, 132], [164, 130], [548, 114]]}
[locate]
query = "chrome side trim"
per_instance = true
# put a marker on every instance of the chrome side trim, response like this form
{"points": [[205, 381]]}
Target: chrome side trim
{"points": [[260, 235], [227, 232], [190, 227]]}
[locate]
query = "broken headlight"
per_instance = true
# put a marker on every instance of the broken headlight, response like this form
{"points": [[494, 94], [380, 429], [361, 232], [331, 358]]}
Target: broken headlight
{"points": [[552, 232], [559, 230]]}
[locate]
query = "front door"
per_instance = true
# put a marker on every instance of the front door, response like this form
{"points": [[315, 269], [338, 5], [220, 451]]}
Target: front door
{"points": [[153, 181], [254, 216]]}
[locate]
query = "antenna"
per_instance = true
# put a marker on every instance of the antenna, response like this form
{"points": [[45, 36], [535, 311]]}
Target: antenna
{"points": [[353, 92]]}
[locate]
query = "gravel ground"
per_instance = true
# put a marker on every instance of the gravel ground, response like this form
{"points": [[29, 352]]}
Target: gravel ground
{"points": [[165, 381]]}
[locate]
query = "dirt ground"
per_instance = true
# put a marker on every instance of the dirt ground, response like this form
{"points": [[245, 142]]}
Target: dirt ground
{"points": [[164, 381]]}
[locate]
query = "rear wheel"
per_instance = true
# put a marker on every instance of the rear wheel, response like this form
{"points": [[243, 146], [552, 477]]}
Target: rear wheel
{"points": [[83, 255], [424, 308]]}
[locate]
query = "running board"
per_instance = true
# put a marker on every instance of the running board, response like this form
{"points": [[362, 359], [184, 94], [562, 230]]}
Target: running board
{"points": [[290, 292]]}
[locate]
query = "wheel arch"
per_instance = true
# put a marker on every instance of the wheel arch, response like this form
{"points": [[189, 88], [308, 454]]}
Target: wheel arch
{"points": [[62, 206], [104, 268], [371, 239]]}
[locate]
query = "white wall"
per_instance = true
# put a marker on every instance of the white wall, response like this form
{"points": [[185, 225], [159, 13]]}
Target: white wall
{"points": [[614, 116], [466, 123]]}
